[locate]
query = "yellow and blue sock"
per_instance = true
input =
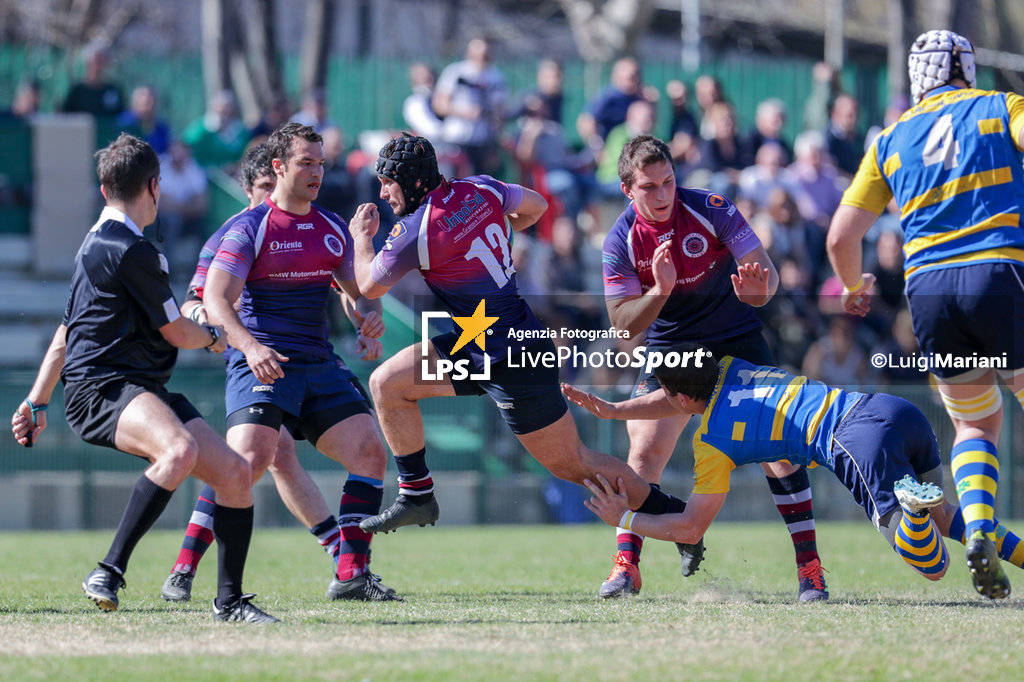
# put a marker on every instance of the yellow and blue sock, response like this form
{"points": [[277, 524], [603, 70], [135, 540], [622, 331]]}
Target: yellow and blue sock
{"points": [[1008, 543], [975, 464], [919, 543]]}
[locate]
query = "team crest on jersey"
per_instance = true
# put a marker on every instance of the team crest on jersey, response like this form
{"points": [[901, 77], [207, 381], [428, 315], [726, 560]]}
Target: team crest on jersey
{"points": [[333, 244], [397, 231], [715, 201], [695, 245]]}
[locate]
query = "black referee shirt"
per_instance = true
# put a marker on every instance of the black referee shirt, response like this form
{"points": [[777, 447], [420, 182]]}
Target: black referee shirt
{"points": [[120, 297]]}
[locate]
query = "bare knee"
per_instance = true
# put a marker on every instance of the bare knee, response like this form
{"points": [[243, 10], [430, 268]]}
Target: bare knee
{"points": [[179, 457], [234, 477], [285, 462]]}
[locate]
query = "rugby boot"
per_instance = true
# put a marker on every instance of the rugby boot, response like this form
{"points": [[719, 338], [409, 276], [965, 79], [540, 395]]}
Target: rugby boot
{"points": [[812, 581], [101, 586], [402, 513], [986, 569], [242, 610], [691, 555], [624, 580]]}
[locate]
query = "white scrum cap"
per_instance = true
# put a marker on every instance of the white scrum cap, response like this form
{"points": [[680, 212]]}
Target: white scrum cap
{"points": [[936, 58]]}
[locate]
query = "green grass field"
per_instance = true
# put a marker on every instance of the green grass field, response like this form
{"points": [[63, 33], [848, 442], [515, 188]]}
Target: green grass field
{"points": [[501, 603]]}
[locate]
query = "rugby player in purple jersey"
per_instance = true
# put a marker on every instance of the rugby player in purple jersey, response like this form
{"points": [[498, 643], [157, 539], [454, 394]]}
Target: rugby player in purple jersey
{"points": [[458, 234], [682, 264]]}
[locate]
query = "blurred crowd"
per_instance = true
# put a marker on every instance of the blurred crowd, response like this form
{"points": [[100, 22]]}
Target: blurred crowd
{"points": [[787, 189]]}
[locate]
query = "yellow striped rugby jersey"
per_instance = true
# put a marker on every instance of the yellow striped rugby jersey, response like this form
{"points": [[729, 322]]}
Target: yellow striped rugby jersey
{"points": [[954, 166], [759, 413]]}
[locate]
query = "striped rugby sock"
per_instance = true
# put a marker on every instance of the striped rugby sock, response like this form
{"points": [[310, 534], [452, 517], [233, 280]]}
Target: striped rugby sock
{"points": [[919, 543], [329, 536], [1008, 543], [198, 533], [975, 464], [792, 497], [414, 480], [360, 498]]}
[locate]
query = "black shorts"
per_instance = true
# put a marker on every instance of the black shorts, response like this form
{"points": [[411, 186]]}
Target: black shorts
{"points": [[529, 397], [93, 409], [970, 310]]}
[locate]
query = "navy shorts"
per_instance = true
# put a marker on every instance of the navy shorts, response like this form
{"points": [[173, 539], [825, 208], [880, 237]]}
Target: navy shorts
{"points": [[880, 440], [306, 389], [529, 398], [751, 347], [93, 409], [967, 310]]}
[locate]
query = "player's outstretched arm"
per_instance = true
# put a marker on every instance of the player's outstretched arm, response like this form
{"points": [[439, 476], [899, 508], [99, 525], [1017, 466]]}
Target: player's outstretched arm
{"points": [[651, 406], [29, 419], [609, 503]]}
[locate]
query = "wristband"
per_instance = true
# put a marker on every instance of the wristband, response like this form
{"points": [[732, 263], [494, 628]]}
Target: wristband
{"points": [[626, 522], [35, 408], [856, 287], [214, 334]]}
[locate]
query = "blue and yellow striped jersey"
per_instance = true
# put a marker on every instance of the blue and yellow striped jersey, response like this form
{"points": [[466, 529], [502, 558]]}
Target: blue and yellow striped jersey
{"points": [[763, 414], [954, 166]]}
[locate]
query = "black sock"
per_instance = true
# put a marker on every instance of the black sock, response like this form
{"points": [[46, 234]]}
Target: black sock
{"points": [[415, 483], [232, 528], [145, 505], [661, 503]]}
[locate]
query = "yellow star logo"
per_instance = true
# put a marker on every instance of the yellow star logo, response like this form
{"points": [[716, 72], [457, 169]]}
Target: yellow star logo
{"points": [[473, 328]]}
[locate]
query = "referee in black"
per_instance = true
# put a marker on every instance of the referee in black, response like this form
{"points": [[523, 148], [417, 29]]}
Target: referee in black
{"points": [[114, 352]]}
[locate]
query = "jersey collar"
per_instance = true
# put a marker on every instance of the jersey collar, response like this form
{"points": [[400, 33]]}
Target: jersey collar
{"points": [[111, 213]]}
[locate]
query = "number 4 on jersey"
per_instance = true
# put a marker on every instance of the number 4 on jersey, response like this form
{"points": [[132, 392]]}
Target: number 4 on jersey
{"points": [[941, 146]]}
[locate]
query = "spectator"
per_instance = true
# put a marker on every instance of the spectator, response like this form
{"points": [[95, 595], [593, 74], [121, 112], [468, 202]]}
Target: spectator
{"points": [[550, 87], [816, 184], [768, 123], [888, 272], [902, 347], [708, 91], [338, 188], [845, 145], [272, 118], [725, 154], [183, 204], [25, 104], [417, 109], [609, 108], [547, 163], [640, 118], [570, 270], [790, 318], [757, 182], [682, 128], [785, 234], [218, 138], [835, 358], [94, 94], [141, 120], [824, 90], [314, 111], [470, 97]]}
